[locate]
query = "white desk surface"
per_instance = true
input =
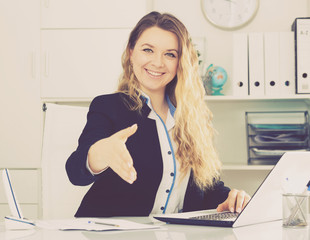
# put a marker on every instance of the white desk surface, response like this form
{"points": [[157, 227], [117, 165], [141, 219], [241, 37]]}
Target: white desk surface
{"points": [[265, 231]]}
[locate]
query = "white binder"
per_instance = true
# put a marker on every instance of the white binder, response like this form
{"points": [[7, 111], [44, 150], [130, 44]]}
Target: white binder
{"points": [[287, 63], [271, 50], [301, 27], [240, 64], [256, 64]]}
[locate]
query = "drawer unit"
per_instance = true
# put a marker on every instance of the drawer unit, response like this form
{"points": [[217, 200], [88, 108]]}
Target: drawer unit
{"points": [[271, 134]]}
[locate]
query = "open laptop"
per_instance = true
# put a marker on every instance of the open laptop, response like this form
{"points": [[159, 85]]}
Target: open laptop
{"points": [[16, 219], [291, 173]]}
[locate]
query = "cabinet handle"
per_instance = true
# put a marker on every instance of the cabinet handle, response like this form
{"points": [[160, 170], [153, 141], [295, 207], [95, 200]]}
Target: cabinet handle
{"points": [[46, 3], [46, 72], [33, 65]]}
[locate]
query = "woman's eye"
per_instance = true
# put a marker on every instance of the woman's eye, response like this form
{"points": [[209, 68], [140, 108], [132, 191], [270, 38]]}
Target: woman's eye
{"points": [[171, 55], [148, 50]]}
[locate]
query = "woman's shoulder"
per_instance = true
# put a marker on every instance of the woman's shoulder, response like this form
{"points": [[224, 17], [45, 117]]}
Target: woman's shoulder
{"points": [[111, 97], [108, 101]]}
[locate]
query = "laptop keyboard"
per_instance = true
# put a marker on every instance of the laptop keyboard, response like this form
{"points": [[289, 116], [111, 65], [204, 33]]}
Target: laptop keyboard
{"points": [[228, 216]]}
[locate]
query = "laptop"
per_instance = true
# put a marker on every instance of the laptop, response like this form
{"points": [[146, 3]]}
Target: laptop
{"points": [[290, 174], [16, 220]]}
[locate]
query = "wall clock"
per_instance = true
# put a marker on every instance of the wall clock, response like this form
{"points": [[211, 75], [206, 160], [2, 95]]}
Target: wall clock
{"points": [[229, 14]]}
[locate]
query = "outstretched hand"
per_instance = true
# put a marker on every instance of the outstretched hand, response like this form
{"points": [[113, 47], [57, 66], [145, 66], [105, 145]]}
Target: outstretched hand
{"points": [[112, 152], [235, 202]]}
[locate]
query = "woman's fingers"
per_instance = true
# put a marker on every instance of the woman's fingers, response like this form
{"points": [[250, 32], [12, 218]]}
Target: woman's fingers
{"points": [[240, 201], [124, 134], [112, 152], [123, 166], [235, 202], [121, 162]]}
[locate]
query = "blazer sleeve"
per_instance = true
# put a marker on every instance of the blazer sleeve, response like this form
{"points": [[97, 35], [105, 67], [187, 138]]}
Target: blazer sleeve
{"points": [[198, 199], [98, 126], [216, 195]]}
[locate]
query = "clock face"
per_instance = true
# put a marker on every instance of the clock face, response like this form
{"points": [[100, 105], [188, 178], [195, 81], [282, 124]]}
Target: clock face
{"points": [[229, 14]]}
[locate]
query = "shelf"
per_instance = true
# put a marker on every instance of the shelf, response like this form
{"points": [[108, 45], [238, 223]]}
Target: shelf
{"points": [[66, 100], [247, 167], [207, 97], [257, 98]]}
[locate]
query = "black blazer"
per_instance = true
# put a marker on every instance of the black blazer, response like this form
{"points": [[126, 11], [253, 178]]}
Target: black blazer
{"points": [[110, 195]]}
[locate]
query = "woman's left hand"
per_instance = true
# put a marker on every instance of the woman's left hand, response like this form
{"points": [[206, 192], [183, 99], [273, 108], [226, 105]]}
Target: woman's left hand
{"points": [[235, 202]]}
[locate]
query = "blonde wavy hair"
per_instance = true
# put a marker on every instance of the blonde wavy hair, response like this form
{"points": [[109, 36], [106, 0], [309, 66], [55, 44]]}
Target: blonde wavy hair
{"points": [[193, 131]]}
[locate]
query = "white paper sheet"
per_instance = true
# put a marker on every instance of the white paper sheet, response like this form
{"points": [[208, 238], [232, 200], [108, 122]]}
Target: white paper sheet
{"points": [[93, 224]]}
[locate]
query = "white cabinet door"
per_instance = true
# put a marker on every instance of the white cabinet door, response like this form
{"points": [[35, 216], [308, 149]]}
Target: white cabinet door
{"points": [[20, 106], [92, 13], [81, 63]]}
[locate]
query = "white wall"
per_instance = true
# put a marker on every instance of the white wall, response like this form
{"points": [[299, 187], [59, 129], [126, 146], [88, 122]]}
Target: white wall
{"points": [[272, 15]]}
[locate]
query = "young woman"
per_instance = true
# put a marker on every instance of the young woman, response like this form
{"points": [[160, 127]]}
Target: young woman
{"points": [[148, 147]]}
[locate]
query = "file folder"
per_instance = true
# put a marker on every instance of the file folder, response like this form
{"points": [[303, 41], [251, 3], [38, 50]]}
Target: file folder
{"points": [[272, 60], [301, 28], [256, 64], [287, 63], [240, 64]]}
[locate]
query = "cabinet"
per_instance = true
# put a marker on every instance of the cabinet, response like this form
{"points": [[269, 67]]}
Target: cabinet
{"points": [[92, 14], [20, 103], [81, 54], [81, 63], [20, 119]]}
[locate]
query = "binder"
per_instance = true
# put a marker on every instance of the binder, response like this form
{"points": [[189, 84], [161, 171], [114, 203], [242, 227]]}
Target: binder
{"points": [[301, 28], [256, 64], [272, 58], [287, 63], [240, 64]]}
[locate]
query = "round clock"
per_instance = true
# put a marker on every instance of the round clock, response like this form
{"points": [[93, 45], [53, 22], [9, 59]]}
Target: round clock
{"points": [[229, 14]]}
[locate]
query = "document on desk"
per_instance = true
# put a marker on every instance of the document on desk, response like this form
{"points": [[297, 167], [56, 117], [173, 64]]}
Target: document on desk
{"points": [[93, 224]]}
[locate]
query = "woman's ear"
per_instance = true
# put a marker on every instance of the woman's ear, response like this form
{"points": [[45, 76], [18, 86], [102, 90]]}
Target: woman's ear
{"points": [[130, 53], [130, 56]]}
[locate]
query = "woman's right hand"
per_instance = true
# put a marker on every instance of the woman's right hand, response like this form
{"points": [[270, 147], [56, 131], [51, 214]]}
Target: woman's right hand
{"points": [[112, 152]]}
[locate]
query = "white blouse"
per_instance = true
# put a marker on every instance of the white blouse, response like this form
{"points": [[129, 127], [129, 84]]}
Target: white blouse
{"points": [[170, 194]]}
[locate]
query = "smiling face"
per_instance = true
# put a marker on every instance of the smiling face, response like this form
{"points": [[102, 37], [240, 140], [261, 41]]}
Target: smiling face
{"points": [[155, 59]]}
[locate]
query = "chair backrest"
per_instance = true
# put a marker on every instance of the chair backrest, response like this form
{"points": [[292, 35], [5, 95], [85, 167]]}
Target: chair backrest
{"points": [[62, 128]]}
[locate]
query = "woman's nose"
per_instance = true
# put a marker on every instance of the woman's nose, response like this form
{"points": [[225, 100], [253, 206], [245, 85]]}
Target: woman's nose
{"points": [[158, 60]]}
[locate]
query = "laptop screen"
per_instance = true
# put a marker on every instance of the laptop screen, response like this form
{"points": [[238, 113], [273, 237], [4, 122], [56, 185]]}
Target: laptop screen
{"points": [[10, 195]]}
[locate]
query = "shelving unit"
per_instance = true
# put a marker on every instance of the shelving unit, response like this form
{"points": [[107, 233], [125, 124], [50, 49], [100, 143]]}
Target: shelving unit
{"points": [[229, 121], [232, 109], [262, 98]]}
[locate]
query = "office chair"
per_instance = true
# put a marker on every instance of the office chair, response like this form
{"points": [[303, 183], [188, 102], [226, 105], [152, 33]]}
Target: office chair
{"points": [[62, 128]]}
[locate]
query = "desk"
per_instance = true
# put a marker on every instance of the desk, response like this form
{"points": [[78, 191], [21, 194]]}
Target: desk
{"points": [[265, 231]]}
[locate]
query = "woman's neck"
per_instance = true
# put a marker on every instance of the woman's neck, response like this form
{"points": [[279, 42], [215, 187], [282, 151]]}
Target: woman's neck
{"points": [[159, 104]]}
